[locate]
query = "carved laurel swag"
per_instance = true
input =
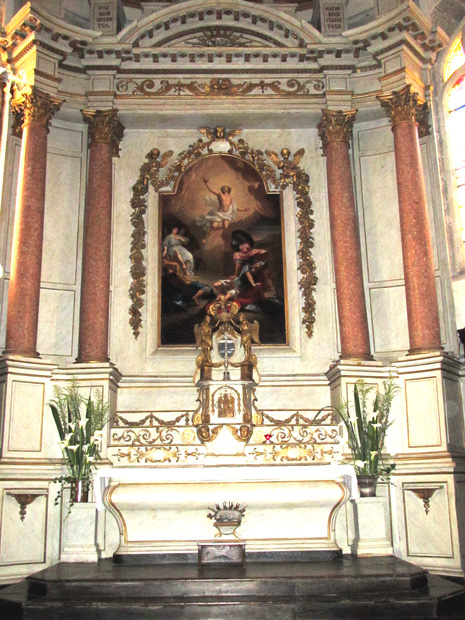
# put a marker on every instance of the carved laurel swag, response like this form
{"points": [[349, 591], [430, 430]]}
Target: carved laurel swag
{"points": [[289, 174]]}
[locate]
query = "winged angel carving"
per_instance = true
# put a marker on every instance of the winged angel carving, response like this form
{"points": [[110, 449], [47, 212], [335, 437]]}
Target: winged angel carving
{"points": [[289, 169]]}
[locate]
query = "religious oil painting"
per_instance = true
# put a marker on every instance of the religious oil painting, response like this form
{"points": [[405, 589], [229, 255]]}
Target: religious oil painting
{"points": [[221, 238]]}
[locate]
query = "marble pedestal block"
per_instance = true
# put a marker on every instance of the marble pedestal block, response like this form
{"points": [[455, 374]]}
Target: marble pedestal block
{"points": [[372, 529], [79, 533], [289, 508]]}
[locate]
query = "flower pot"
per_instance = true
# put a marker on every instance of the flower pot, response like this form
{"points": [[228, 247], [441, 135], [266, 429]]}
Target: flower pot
{"points": [[367, 485], [80, 491]]}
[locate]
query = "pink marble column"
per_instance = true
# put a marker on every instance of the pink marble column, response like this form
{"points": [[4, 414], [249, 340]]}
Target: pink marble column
{"points": [[420, 287], [36, 110], [105, 133], [335, 130]]}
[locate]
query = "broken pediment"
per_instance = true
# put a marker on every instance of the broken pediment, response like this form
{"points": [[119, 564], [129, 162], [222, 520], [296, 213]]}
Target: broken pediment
{"points": [[231, 23]]}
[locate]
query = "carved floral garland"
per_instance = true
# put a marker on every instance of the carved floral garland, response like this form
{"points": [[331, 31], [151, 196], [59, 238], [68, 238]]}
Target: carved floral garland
{"points": [[289, 174]]}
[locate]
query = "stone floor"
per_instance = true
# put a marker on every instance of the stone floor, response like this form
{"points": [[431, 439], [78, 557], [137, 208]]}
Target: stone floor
{"points": [[378, 588]]}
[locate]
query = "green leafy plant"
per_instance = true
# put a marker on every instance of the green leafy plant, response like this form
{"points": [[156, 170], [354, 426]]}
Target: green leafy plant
{"points": [[79, 422], [366, 423]]}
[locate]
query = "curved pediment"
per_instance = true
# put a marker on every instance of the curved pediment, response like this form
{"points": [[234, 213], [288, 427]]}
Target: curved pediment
{"points": [[230, 23]]}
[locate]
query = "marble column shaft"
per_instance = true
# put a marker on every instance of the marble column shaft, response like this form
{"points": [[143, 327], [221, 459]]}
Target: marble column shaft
{"points": [[335, 130], [36, 109], [417, 252], [105, 132]]}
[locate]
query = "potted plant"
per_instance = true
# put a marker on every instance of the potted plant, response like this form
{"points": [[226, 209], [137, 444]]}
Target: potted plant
{"points": [[79, 422], [366, 424]]}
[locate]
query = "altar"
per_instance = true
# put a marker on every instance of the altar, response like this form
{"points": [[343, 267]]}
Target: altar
{"points": [[290, 508]]}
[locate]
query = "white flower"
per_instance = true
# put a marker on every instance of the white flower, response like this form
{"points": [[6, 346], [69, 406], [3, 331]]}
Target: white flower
{"points": [[375, 425], [360, 464], [353, 419], [64, 443], [82, 423], [73, 447], [91, 459], [373, 453], [98, 434]]}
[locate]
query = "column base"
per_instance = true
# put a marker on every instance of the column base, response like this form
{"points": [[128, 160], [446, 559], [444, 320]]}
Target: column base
{"points": [[357, 358], [94, 360], [420, 350], [21, 353]]}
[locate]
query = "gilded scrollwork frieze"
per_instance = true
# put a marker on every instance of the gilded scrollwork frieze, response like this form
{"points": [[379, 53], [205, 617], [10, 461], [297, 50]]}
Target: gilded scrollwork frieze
{"points": [[158, 454], [291, 453], [35, 106], [289, 174], [220, 87], [104, 126], [404, 106], [336, 126]]}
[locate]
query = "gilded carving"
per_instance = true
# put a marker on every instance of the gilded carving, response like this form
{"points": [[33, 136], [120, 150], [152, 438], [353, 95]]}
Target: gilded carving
{"points": [[291, 453], [290, 174], [150, 420], [158, 454], [336, 126], [425, 494], [404, 106], [36, 107], [220, 87], [104, 126]]}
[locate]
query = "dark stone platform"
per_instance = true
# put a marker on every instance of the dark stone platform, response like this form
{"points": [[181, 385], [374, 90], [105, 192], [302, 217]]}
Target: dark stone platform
{"points": [[375, 588]]}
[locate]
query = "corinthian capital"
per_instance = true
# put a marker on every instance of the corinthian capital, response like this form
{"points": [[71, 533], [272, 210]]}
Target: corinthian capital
{"points": [[336, 126], [34, 107], [403, 106], [104, 126]]}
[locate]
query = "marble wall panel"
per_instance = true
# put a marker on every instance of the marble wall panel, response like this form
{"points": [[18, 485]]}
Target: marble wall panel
{"points": [[389, 319], [62, 202], [423, 426], [56, 322], [27, 404], [428, 535], [23, 542], [381, 214], [453, 405]]}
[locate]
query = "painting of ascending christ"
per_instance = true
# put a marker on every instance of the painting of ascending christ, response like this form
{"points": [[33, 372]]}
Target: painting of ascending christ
{"points": [[221, 238]]}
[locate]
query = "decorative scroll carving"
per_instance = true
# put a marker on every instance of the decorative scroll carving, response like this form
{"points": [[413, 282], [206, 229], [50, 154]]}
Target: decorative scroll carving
{"points": [[336, 126], [220, 87], [220, 36], [290, 174], [158, 454], [284, 434], [36, 107], [291, 453], [104, 126], [297, 417], [403, 106], [150, 419]]}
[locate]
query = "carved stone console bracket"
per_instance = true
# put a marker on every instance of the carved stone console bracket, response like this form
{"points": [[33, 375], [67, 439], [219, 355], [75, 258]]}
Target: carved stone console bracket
{"points": [[25, 499], [289, 174], [425, 494]]}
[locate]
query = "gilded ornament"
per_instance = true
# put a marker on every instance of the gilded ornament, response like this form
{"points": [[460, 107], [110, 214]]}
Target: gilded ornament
{"points": [[159, 454], [36, 107], [336, 126], [403, 106], [290, 174], [220, 87], [105, 127]]}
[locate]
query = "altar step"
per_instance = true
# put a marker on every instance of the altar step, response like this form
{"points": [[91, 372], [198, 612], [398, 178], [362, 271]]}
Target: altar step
{"points": [[375, 588]]}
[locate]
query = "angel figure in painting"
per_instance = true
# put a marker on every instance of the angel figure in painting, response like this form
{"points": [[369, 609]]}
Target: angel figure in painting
{"points": [[223, 215], [173, 248]]}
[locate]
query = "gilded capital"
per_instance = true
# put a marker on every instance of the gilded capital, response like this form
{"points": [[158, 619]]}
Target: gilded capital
{"points": [[403, 106], [336, 126], [34, 107], [104, 126]]}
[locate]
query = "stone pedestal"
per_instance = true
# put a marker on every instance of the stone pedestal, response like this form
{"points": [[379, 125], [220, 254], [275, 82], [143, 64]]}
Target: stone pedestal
{"points": [[372, 527], [28, 433], [79, 532]]}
